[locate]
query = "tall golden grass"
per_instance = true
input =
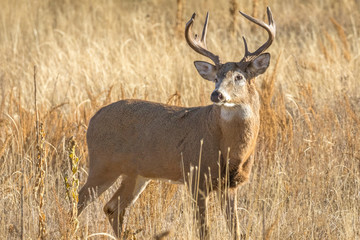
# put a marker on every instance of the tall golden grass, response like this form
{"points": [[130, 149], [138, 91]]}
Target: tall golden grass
{"points": [[306, 179]]}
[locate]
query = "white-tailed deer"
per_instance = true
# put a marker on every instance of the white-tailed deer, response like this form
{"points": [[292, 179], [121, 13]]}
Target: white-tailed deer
{"points": [[142, 140]]}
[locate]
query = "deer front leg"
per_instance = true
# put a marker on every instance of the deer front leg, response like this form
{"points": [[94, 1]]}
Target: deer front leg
{"points": [[229, 206]]}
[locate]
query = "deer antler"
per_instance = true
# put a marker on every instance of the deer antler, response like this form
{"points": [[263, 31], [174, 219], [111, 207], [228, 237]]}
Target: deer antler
{"points": [[270, 28], [200, 45]]}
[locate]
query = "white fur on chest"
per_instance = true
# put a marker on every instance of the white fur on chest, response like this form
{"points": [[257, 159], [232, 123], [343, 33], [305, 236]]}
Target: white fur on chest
{"points": [[243, 111]]}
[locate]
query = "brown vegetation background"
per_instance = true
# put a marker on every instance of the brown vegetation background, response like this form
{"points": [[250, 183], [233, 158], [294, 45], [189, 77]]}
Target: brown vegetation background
{"points": [[306, 179]]}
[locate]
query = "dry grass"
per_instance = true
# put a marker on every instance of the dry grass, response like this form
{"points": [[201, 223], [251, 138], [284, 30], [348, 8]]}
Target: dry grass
{"points": [[306, 180]]}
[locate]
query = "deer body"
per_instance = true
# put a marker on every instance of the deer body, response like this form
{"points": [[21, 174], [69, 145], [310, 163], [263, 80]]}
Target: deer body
{"points": [[141, 140], [130, 133]]}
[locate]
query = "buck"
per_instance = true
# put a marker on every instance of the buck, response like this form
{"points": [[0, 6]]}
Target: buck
{"points": [[142, 141]]}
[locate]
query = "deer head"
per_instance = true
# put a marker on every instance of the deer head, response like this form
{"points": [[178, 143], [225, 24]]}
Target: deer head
{"points": [[233, 80]]}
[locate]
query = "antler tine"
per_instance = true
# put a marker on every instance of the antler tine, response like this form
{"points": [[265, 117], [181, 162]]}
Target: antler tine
{"points": [[270, 28], [199, 45], [204, 32], [246, 47]]}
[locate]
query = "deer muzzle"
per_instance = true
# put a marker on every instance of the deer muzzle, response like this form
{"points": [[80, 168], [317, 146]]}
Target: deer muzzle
{"points": [[217, 97]]}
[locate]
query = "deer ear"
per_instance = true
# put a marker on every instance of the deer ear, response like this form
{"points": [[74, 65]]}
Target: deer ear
{"points": [[259, 65], [206, 70]]}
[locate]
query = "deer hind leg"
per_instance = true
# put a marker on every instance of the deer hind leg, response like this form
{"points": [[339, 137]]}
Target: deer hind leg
{"points": [[97, 182], [130, 189]]}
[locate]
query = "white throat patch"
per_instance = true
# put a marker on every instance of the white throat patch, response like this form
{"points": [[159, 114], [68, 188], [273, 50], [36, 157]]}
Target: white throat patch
{"points": [[229, 104], [228, 112]]}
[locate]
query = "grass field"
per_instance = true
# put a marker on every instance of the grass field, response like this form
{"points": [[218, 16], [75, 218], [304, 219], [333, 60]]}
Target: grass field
{"points": [[83, 55]]}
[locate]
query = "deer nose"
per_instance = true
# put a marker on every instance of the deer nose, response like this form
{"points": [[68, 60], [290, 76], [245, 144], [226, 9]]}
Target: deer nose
{"points": [[217, 96]]}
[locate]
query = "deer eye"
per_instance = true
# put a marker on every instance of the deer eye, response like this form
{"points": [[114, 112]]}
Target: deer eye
{"points": [[238, 78], [216, 80]]}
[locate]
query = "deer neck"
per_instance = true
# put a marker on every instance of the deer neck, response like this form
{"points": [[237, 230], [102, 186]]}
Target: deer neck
{"points": [[243, 113], [239, 125], [237, 120], [238, 113]]}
